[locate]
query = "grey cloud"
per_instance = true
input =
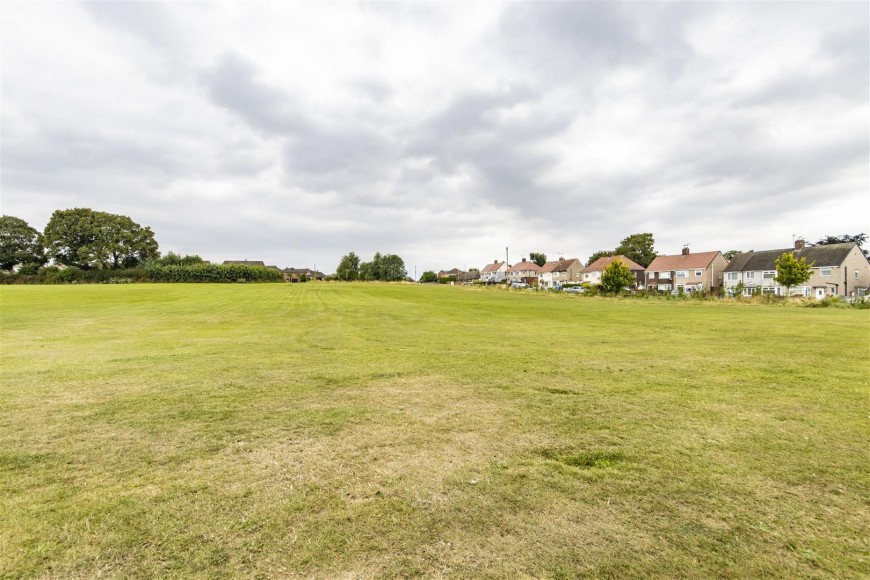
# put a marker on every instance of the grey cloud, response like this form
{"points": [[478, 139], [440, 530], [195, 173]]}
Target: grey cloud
{"points": [[469, 136], [583, 37], [150, 21], [315, 154], [232, 84]]}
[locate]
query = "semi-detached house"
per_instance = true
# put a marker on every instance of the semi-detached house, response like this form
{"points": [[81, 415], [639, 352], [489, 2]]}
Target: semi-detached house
{"points": [[838, 270], [687, 271]]}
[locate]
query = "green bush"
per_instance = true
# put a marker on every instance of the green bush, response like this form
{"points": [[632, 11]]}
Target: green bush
{"points": [[213, 273], [151, 272]]}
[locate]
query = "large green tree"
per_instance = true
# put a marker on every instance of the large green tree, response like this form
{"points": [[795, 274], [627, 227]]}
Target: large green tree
{"points": [[387, 268], [348, 268], [615, 277], [86, 239], [19, 243], [638, 247], [790, 271], [393, 268], [538, 258]]}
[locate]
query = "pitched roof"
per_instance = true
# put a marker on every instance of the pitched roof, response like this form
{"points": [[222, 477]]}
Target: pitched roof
{"points": [[829, 255], [558, 265], [453, 272], [602, 262], [682, 262], [523, 266], [494, 267], [468, 276]]}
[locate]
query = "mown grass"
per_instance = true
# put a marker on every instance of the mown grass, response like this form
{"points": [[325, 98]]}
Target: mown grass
{"points": [[340, 430]]}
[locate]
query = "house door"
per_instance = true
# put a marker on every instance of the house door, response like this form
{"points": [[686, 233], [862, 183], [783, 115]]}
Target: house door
{"points": [[820, 293]]}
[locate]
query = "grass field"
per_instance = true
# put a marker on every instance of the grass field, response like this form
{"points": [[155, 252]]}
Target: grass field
{"points": [[394, 430]]}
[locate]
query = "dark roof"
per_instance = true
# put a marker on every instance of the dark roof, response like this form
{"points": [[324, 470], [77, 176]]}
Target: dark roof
{"points": [[468, 276], [558, 265], [829, 255], [244, 263]]}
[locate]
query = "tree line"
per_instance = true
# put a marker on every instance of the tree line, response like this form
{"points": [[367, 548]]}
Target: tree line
{"points": [[80, 238], [95, 246]]}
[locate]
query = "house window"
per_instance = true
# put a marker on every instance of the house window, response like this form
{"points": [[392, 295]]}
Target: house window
{"points": [[665, 275], [768, 275], [824, 271], [664, 286], [747, 291], [699, 273], [732, 276], [856, 274], [682, 273], [750, 275]]}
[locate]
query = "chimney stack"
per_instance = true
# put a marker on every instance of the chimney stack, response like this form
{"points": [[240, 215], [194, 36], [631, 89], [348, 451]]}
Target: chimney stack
{"points": [[799, 244], [685, 250]]}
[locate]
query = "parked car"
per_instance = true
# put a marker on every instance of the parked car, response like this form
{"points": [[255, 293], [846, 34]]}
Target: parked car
{"points": [[575, 290], [519, 285]]}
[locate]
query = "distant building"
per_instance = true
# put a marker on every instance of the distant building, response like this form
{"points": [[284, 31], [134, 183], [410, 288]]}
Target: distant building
{"points": [[838, 270], [555, 274], [524, 271], [687, 271], [592, 272], [295, 274], [494, 273], [450, 274]]}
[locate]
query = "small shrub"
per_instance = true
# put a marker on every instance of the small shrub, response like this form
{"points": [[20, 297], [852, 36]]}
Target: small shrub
{"points": [[30, 269]]}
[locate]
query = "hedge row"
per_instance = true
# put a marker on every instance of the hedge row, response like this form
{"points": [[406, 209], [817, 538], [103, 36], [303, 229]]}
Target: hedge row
{"points": [[148, 273]]}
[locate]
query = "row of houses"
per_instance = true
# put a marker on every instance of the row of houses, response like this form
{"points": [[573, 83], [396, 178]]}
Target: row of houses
{"points": [[838, 270]]}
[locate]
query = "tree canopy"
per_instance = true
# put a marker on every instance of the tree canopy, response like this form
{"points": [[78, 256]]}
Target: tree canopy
{"points": [[386, 268], [638, 247], [429, 276], [859, 239], [790, 271], [615, 277], [173, 259], [348, 268], [86, 239], [538, 258], [19, 243]]}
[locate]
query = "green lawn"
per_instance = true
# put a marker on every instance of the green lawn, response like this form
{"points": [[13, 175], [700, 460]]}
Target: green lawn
{"points": [[341, 430]]}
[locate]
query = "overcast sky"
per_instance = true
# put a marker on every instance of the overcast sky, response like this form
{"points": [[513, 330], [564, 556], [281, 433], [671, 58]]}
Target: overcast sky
{"points": [[295, 133]]}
